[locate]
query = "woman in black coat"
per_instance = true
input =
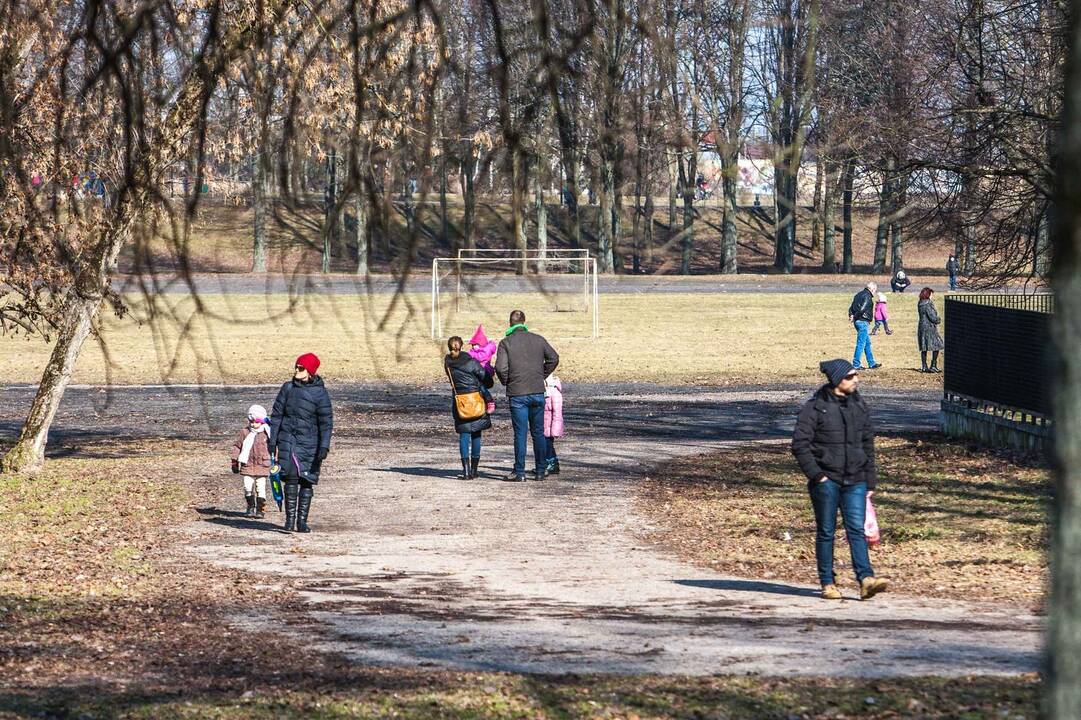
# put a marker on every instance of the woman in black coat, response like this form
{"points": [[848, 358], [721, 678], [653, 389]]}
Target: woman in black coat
{"points": [[467, 376], [927, 331], [300, 427]]}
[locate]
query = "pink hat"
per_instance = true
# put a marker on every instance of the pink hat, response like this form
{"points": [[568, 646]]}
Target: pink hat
{"points": [[479, 338]]}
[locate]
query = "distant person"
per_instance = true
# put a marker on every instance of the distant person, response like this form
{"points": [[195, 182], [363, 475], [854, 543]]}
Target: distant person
{"points": [[468, 380], [834, 444], [900, 282], [927, 331], [952, 266], [882, 315], [522, 362], [861, 313], [553, 421], [301, 424], [251, 458]]}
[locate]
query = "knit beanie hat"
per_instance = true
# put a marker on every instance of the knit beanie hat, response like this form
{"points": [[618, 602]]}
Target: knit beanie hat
{"points": [[835, 370], [882, 297], [257, 412], [479, 338], [309, 362]]}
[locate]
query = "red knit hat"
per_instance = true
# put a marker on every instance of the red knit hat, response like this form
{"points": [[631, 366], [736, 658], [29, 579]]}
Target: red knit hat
{"points": [[309, 362]]}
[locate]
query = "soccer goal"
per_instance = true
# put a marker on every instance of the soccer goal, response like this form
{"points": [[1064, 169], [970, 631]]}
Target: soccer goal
{"points": [[557, 290]]}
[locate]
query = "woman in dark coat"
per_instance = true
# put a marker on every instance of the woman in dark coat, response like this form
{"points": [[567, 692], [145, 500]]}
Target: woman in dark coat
{"points": [[467, 376], [927, 331], [300, 427]]}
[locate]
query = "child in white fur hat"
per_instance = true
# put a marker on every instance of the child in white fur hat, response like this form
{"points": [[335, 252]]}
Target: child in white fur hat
{"points": [[251, 456]]}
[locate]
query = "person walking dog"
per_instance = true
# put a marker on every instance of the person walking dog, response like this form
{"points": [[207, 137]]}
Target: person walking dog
{"points": [[469, 385], [861, 313], [927, 331], [834, 444], [301, 424], [522, 362]]}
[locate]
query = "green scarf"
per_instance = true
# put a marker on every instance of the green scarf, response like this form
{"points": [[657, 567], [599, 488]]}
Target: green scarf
{"points": [[512, 328]]}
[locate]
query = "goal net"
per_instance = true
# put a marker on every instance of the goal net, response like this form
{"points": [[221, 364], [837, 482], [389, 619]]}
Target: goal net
{"points": [[557, 290]]}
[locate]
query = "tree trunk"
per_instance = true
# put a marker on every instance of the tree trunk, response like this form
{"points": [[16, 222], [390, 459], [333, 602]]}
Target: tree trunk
{"points": [[647, 235], [816, 218], [469, 200], [605, 260], [444, 225], [330, 212], [688, 168], [729, 235], [1041, 255], [673, 180], [829, 251], [900, 198], [542, 229], [259, 208], [885, 215], [518, 185], [1063, 663], [784, 213], [360, 209], [846, 213], [617, 230]]}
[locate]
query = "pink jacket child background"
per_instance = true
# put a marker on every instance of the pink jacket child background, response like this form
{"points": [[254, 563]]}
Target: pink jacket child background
{"points": [[553, 407], [881, 313], [483, 350]]}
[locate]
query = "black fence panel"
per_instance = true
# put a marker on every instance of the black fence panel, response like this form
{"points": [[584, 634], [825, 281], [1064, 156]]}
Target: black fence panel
{"points": [[998, 349]]}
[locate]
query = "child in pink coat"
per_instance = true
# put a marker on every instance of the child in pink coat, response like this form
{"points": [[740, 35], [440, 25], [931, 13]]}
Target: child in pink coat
{"points": [[482, 350], [553, 419], [882, 315]]}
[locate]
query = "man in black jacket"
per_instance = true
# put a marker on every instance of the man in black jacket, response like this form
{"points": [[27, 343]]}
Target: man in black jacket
{"points": [[834, 444], [861, 313], [522, 362]]}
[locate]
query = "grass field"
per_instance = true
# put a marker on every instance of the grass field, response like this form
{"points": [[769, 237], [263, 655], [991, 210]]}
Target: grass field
{"points": [[956, 522], [665, 338]]}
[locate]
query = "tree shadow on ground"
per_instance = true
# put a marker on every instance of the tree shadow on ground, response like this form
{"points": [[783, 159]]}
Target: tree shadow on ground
{"points": [[758, 586]]}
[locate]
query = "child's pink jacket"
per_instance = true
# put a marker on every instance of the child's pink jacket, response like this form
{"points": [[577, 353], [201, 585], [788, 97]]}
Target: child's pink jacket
{"points": [[881, 313], [553, 407]]}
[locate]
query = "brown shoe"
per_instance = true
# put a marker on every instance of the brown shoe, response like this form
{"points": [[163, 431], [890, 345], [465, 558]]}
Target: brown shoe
{"points": [[871, 586], [830, 592]]}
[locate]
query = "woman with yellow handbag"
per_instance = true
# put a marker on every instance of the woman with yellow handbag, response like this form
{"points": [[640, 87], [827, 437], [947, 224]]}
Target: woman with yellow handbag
{"points": [[471, 406]]}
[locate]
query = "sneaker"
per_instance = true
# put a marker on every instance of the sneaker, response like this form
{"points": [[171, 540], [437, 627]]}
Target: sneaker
{"points": [[889, 332], [856, 367], [553, 467], [539, 475], [514, 477], [830, 592], [871, 586], [876, 366]]}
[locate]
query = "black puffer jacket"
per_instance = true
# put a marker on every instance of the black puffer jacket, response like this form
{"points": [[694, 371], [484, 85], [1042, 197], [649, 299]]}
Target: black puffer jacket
{"points": [[863, 306], [300, 425], [469, 377], [834, 438]]}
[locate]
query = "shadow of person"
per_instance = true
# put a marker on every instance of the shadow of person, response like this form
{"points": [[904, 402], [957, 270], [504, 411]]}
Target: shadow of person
{"points": [[241, 523], [219, 512], [421, 471], [759, 586]]}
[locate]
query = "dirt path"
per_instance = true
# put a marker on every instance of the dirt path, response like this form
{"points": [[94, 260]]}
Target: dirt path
{"points": [[409, 566]]}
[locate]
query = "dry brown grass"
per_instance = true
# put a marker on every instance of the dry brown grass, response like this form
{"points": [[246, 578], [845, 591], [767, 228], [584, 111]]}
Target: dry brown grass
{"points": [[664, 338], [956, 521]]}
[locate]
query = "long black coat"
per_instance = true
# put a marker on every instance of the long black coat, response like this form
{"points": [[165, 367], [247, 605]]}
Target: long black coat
{"points": [[300, 425], [927, 330], [469, 377], [836, 439]]}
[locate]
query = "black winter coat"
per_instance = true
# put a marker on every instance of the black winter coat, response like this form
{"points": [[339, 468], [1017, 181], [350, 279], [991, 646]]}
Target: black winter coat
{"points": [[300, 425], [834, 438], [523, 361], [863, 306], [469, 376], [898, 284], [927, 331]]}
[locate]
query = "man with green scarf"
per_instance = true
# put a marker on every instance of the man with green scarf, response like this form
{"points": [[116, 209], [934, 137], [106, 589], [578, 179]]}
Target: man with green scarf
{"points": [[522, 362]]}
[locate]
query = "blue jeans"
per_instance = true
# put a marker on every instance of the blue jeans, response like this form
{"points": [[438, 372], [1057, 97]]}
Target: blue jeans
{"points": [[863, 344], [550, 446], [527, 418], [953, 282], [467, 439], [827, 497]]}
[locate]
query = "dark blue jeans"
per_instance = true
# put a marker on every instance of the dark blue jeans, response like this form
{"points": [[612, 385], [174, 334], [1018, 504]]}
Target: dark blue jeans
{"points": [[527, 418], [464, 442], [953, 282], [550, 446], [827, 497]]}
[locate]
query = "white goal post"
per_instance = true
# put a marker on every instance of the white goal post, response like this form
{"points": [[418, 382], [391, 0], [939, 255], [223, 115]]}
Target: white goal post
{"points": [[471, 283]]}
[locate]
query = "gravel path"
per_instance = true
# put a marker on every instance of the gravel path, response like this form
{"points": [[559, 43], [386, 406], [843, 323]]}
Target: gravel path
{"points": [[409, 566]]}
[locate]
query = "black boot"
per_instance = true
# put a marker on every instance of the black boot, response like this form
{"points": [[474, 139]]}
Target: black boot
{"points": [[260, 507], [250, 512], [303, 506], [934, 362], [923, 361], [292, 491], [465, 469], [473, 465], [553, 466]]}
